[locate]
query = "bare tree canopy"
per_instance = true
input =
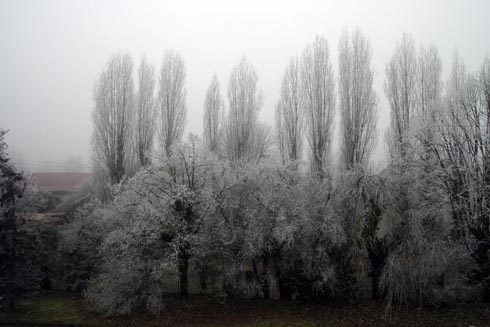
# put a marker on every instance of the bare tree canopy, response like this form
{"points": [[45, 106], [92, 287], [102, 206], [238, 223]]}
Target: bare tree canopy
{"points": [[462, 149], [112, 115], [172, 108], [261, 140], [245, 102], [289, 116], [400, 89], [213, 116], [318, 93], [358, 111], [429, 83], [429, 97], [145, 114]]}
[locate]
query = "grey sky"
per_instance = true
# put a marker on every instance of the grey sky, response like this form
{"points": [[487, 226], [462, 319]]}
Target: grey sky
{"points": [[51, 52]]}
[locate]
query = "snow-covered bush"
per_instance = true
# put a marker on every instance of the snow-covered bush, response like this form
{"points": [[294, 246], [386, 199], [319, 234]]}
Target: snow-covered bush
{"points": [[272, 222], [133, 270], [434, 272], [425, 264], [79, 243], [311, 264], [359, 200]]}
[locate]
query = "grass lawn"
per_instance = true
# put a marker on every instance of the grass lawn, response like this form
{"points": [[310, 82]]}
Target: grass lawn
{"points": [[69, 309]]}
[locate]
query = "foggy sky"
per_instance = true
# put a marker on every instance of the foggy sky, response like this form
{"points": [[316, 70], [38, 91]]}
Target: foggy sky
{"points": [[51, 53]]}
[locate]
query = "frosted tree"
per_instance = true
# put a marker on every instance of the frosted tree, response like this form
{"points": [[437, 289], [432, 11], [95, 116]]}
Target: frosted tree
{"points": [[213, 116], [400, 89], [275, 221], [261, 140], [159, 213], [242, 134], [451, 150], [145, 112], [429, 103], [289, 115], [424, 265], [358, 112], [429, 188], [318, 93], [429, 83], [360, 200], [463, 151], [172, 110], [112, 116], [280, 134]]}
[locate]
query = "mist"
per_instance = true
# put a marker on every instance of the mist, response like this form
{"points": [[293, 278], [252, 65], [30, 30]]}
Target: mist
{"points": [[52, 52], [245, 163]]}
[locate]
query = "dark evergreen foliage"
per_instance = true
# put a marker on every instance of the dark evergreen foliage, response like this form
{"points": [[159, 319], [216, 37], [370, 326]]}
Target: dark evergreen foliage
{"points": [[19, 263]]}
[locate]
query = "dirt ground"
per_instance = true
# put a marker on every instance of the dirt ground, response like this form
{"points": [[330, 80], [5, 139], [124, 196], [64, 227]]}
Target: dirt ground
{"points": [[68, 309]]}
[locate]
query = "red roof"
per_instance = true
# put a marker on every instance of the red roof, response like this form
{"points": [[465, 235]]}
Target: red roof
{"points": [[60, 182]]}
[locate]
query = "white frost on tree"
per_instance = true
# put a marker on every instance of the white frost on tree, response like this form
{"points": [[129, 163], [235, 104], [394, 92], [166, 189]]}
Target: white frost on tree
{"points": [[245, 138], [400, 89], [112, 117], [213, 116], [318, 93], [145, 112], [357, 100], [172, 110], [289, 115]]}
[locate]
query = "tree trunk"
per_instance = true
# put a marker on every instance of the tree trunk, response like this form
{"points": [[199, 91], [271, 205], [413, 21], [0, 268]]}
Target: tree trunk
{"points": [[183, 273], [12, 303], [482, 260], [265, 279], [255, 271], [377, 256], [283, 291]]}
